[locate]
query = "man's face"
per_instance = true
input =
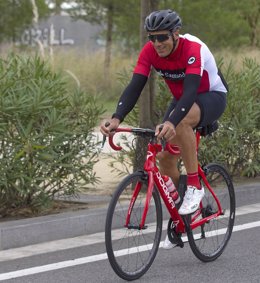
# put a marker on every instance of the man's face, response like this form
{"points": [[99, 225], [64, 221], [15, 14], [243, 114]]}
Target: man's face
{"points": [[162, 42]]}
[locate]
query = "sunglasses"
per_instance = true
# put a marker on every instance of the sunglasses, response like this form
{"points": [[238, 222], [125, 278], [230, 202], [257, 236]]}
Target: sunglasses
{"points": [[159, 37]]}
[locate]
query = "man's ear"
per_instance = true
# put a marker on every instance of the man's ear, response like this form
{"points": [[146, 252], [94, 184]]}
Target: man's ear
{"points": [[177, 31], [176, 34]]}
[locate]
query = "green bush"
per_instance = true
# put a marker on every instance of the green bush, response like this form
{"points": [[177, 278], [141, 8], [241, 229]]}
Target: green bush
{"points": [[46, 139], [237, 142]]}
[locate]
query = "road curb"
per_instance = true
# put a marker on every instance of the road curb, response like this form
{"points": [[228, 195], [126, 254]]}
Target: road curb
{"points": [[19, 233]]}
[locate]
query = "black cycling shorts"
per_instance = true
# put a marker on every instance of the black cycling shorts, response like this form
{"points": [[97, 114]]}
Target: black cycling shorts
{"points": [[212, 105]]}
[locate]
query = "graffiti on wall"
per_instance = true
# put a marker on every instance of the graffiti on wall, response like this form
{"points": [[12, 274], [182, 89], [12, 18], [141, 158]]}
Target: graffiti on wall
{"points": [[47, 36]]}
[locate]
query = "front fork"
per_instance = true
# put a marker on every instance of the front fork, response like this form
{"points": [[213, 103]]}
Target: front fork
{"points": [[136, 191]]}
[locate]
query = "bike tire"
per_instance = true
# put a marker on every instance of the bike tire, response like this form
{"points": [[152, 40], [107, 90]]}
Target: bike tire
{"points": [[209, 240], [131, 252]]}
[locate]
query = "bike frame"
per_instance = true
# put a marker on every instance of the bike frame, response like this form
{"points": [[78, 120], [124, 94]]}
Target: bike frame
{"points": [[155, 178]]}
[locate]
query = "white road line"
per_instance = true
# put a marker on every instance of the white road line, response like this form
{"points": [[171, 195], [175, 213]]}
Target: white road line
{"points": [[85, 240], [94, 258], [50, 267]]}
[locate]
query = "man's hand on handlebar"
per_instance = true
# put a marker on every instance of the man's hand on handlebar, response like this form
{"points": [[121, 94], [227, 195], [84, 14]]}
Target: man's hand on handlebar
{"points": [[108, 126], [165, 130]]}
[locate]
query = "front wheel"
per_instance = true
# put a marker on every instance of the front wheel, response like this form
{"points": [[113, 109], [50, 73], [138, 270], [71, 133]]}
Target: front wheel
{"points": [[131, 250], [209, 240]]}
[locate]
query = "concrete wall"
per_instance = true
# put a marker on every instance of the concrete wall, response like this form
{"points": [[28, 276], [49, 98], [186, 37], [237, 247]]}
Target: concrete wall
{"points": [[63, 31]]}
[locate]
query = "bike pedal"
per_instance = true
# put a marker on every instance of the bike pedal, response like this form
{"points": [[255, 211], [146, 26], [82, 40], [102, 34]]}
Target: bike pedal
{"points": [[174, 237]]}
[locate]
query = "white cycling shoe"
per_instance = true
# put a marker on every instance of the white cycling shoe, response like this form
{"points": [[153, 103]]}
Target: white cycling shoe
{"points": [[192, 199], [167, 245]]}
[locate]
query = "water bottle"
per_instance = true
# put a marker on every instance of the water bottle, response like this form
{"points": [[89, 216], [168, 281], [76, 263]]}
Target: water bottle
{"points": [[172, 189]]}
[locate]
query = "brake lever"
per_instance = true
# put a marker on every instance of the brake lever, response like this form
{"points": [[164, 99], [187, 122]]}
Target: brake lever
{"points": [[103, 141], [163, 140], [104, 137], [163, 143]]}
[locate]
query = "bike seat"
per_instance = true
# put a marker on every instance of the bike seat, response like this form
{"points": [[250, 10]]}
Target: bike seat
{"points": [[208, 129]]}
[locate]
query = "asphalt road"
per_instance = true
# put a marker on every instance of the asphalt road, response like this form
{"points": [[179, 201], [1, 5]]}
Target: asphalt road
{"points": [[83, 259]]}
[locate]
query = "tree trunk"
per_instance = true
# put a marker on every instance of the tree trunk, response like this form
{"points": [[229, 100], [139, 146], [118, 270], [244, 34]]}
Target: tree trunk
{"points": [[57, 9], [253, 23], [146, 99], [154, 5], [110, 23]]}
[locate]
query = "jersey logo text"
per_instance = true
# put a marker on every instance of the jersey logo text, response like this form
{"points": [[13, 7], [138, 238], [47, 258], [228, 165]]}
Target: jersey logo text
{"points": [[172, 75]]}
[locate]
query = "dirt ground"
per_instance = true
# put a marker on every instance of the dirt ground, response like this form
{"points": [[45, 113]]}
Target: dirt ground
{"points": [[108, 180]]}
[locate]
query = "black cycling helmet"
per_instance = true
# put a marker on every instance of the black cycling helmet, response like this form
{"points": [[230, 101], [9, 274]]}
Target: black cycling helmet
{"points": [[162, 20]]}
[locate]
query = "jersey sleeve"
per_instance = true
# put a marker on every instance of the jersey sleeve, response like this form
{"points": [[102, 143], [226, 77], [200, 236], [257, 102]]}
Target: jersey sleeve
{"points": [[195, 62], [183, 106], [130, 96], [143, 65]]}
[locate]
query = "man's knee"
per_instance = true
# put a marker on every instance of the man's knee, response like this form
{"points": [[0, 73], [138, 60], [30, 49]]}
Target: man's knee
{"points": [[167, 160], [163, 156], [191, 120]]}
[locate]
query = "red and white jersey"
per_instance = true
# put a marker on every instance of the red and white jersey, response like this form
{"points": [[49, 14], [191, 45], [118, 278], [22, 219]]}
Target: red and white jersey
{"points": [[192, 56]]}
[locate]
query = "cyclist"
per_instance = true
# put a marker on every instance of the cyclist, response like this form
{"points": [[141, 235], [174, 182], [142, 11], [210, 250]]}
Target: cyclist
{"points": [[199, 95]]}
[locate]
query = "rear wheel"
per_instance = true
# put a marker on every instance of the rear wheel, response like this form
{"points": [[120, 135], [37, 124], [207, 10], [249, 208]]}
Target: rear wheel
{"points": [[209, 240], [131, 250]]}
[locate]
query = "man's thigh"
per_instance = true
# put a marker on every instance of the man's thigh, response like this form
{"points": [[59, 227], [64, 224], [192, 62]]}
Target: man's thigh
{"points": [[208, 108], [185, 127], [212, 105]]}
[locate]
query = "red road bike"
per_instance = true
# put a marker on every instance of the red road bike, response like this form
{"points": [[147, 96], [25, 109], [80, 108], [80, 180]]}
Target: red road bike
{"points": [[134, 220]]}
